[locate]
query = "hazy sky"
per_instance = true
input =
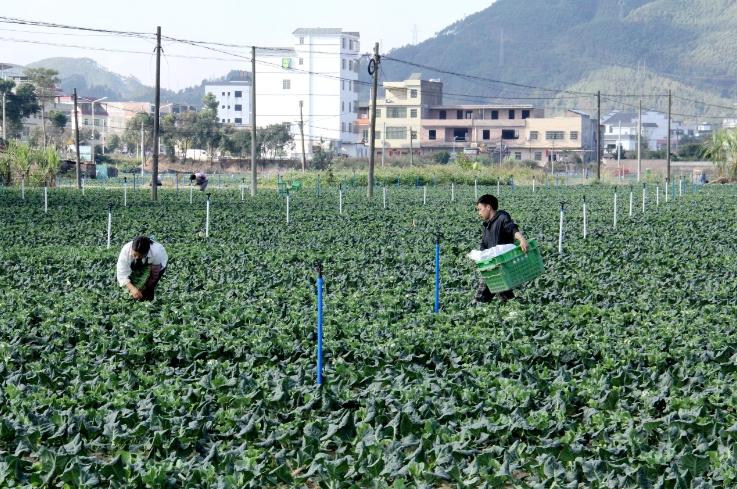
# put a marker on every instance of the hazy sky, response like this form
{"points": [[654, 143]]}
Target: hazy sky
{"points": [[263, 23]]}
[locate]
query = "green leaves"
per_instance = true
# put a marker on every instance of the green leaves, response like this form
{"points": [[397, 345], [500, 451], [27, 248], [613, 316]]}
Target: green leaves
{"points": [[613, 369]]}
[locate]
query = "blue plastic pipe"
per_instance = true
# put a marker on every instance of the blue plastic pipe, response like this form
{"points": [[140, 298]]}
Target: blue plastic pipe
{"points": [[319, 329], [436, 309]]}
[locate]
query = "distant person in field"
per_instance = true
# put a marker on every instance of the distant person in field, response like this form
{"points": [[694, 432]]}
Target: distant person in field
{"points": [[498, 229], [199, 179], [141, 264]]}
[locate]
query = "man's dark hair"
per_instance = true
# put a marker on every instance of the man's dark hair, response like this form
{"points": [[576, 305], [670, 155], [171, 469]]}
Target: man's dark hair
{"points": [[488, 199], [142, 244], [192, 176]]}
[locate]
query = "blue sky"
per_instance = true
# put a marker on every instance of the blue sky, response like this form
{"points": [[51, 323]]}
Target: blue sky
{"points": [[390, 22]]}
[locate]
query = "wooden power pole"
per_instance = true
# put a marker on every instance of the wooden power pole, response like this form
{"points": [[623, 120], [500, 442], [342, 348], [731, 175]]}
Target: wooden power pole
{"points": [[374, 72]]}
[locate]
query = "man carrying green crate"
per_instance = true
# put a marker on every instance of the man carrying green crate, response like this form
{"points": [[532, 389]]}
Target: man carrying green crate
{"points": [[498, 229]]}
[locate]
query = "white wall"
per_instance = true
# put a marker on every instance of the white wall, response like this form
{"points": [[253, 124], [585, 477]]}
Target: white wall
{"points": [[316, 81], [227, 101]]}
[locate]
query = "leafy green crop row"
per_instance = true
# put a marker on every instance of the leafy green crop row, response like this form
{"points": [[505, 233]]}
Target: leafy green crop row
{"points": [[616, 368]]}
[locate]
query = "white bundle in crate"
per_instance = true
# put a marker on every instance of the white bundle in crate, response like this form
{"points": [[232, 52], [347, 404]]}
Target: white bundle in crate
{"points": [[493, 252]]}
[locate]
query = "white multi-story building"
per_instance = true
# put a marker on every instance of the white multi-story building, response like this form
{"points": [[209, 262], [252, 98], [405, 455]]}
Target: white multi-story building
{"points": [[234, 101], [320, 71]]}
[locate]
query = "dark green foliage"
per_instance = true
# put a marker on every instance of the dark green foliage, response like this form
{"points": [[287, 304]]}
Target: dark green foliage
{"points": [[615, 368]]}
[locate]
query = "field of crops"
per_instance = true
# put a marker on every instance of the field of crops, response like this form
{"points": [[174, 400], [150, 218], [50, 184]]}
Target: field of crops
{"points": [[616, 368]]}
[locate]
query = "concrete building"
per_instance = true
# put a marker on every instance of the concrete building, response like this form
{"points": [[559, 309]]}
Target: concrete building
{"points": [[319, 70], [120, 113], [517, 131], [234, 101], [654, 130]]}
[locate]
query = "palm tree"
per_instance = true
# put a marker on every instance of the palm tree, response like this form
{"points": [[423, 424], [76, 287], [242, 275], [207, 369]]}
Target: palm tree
{"points": [[717, 150]]}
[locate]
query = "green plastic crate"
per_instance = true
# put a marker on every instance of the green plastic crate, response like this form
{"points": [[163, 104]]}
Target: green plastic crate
{"points": [[513, 268]]}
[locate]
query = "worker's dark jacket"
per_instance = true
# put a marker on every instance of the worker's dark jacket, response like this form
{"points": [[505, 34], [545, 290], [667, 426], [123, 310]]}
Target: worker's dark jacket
{"points": [[500, 229]]}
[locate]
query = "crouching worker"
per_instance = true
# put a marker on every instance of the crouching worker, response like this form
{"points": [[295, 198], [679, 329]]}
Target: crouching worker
{"points": [[140, 266], [199, 179]]}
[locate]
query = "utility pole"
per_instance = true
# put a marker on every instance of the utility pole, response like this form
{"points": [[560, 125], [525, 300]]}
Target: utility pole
{"points": [[76, 140], [639, 143], [598, 135], [157, 103], [302, 135], [253, 121], [411, 150], [143, 151], [5, 138], [670, 106], [383, 145], [374, 65]]}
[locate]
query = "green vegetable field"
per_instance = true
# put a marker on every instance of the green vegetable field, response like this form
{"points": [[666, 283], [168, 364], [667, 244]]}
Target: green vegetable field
{"points": [[615, 368]]}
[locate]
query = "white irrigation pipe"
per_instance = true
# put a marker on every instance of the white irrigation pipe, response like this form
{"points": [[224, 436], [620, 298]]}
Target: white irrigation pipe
{"points": [[585, 219], [644, 196], [82, 186], [46, 199], [680, 187], [657, 195], [666, 190], [631, 199], [109, 225], [615, 208], [498, 188], [287, 208], [424, 195], [476, 189], [560, 230], [340, 201], [207, 217], [243, 193], [452, 192], [190, 193], [533, 185], [384, 197], [125, 192]]}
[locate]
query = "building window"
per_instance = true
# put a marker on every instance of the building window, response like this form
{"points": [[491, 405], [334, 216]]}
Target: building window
{"points": [[365, 135], [533, 135], [350, 109], [611, 129], [343, 42], [238, 94], [413, 134], [350, 64], [459, 114], [396, 112], [495, 114], [222, 107], [342, 106], [486, 134], [301, 40], [509, 134], [413, 93], [222, 120], [286, 84], [228, 107], [228, 94], [413, 112], [442, 114], [552, 135], [238, 120], [343, 63], [223, 94], [511, 114], [301, 61], [228, 121], [378, 135], [342, 127], [238, 108], [574, 135], [517, 155], [538, 156], [525, 114], [432, 135], [378, 112], [350, 127], [396, 133], [86, 122]]}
